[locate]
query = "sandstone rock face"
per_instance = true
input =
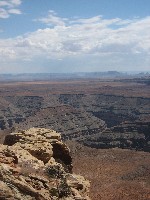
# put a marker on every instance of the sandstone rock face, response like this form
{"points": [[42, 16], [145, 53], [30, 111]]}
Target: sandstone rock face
{"points": [[35, 164]]}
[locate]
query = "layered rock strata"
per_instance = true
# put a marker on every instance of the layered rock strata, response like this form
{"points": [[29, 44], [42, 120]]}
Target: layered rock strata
{"points": [[35, 164], [127, 135]]}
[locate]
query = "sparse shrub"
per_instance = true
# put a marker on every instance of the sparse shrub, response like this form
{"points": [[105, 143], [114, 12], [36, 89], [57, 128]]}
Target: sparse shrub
{"points": [[62, 189], [54, 192], [54, 171]]}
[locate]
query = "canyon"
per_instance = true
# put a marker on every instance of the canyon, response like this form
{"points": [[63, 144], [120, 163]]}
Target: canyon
{"points": [[104, 121], [98, 113]]}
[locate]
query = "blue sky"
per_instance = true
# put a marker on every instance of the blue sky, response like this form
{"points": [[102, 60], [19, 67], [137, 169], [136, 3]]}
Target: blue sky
{"points": [[74, 35]]}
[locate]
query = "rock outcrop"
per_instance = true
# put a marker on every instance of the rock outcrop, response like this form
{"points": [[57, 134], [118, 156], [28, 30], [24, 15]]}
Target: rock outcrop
{"points": [[35, 164]]}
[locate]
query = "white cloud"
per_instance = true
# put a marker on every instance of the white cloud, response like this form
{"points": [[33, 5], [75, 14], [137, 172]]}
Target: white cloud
{"points": [[10, 3], [15, 2], [4, 3], [107, 42], [52, 19], [9, 7], [95, 19], [3, 13], [14, 11]]}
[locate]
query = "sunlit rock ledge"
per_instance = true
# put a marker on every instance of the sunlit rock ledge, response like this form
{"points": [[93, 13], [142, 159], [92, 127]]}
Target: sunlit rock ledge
{"points": [[36, 165]]}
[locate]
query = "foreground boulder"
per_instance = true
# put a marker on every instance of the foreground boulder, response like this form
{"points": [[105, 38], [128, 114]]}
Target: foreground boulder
{"points": [[35, 164]]}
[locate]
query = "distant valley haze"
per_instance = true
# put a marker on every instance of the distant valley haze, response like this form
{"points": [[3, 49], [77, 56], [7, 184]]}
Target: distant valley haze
{"points": [[74, 36]]}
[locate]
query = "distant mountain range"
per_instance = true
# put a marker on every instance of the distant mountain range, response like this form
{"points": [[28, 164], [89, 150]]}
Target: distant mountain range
{"points": [[78, 75]]}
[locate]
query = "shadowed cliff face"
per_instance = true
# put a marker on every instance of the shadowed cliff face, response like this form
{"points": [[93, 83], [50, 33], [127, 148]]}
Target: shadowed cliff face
{"points": [[127, 119], [102, 114], [78, 117], [112, 109], [35, 164]]}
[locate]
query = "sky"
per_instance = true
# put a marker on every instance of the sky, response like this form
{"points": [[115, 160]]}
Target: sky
{"points": [[74, 36]]}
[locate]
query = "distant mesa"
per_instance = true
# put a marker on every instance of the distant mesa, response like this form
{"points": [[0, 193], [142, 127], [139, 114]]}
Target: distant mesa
{"points": [[75, 75]]}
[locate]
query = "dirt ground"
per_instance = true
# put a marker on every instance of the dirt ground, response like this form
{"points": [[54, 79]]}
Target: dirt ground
{"points": [[115, 174]]}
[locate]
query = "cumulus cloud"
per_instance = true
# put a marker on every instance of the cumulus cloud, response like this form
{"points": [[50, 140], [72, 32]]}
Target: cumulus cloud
{"points": [[9, 7], [105, 41]]}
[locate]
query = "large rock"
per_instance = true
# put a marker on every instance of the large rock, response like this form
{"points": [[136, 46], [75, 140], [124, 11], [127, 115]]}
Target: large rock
{"points": [[42, 144], [35, 164]]}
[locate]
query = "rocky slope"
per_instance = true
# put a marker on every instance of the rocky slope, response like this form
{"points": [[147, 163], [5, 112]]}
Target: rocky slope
{"points": [[71, 122], [127, 119], [113, 109], [127, 135], [98, 113], [35, 164]]}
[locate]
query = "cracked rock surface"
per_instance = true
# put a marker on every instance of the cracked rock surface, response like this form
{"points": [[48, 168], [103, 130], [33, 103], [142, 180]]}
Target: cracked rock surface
{"points": [[35, 164]]}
